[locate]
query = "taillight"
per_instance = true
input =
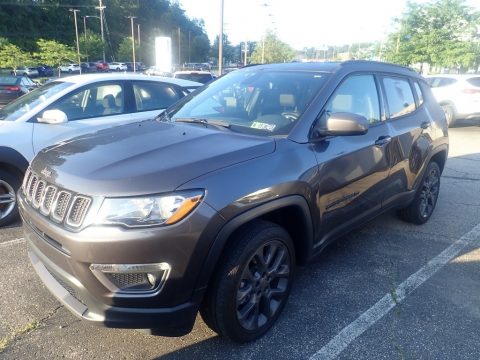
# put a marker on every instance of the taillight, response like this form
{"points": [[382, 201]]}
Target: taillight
{"points": [[471, 91], [12, 88]]}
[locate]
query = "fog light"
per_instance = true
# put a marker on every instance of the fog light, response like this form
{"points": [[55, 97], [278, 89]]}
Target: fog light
{"points": [[151, 279], [132, 279]]}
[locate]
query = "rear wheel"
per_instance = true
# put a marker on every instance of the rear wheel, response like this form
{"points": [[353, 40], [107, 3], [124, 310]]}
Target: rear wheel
{"points": [[449, 114], [9, 184], [423, 204], [252, 283]]}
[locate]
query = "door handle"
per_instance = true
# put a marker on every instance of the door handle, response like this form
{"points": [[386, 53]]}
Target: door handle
{"points": [[383, 140], [425, 124]]}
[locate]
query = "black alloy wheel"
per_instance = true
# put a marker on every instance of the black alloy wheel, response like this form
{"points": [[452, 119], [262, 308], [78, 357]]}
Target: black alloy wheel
{"points": [[425, 200], [263, 285], [252, 282]]}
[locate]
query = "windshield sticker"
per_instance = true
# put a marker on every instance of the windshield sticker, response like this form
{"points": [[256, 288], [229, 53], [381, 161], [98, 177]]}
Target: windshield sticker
{"points": [[263, 126]]}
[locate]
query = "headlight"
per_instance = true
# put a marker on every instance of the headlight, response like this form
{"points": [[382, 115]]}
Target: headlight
{"points": [[149, 210]]}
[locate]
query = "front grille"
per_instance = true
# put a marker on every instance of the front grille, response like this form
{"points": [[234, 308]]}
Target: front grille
{"points": [[67, 287], [56, 203]]}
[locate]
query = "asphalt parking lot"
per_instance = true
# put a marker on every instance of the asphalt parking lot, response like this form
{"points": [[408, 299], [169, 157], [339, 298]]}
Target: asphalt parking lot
{"points": [[388, 291]]}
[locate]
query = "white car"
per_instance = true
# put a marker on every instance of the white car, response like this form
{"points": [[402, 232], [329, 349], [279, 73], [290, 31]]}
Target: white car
{"points": [[458, 95], [72, 106], [70, 68], [116, 66]]}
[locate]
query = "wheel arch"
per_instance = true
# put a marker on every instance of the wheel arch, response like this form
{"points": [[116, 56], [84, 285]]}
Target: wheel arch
{"points": [[12, 160], [291, 212], [440, 157]]}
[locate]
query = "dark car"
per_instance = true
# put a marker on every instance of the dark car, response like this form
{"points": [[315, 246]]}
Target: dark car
{"points": [[45, 70], [12, 87], [210, 206], [139, 66], [203, 77]]}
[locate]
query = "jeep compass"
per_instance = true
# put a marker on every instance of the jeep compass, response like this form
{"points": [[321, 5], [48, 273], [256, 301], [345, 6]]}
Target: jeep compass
{"points": [[210, 206]]}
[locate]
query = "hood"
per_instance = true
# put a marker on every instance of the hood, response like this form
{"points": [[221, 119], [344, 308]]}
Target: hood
{"points": [[145, 158]]}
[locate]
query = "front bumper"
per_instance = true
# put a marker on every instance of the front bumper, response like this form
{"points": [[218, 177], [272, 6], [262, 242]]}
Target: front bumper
{"points": [[62, 260]]}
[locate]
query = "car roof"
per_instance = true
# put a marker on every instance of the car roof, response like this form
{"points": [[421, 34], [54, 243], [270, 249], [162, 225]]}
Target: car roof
{"points": [[92, 78], [453, 76], [192, 72], [332, 67]]}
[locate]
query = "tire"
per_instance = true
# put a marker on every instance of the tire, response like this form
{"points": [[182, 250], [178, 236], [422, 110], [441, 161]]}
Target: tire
{"points": [[252, 283], [423, 204], [9, 184], [450, 115]]}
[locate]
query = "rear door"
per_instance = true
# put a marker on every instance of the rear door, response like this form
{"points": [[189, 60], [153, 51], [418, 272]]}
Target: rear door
{"points": [[352, 169], [410, 126]]}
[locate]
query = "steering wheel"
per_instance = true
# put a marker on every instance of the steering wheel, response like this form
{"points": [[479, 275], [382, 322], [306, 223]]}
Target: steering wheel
{"points": [[292, 116]]}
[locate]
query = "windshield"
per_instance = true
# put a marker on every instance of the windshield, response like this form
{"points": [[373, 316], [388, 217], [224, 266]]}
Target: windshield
{"points": [[27, 102], [254, 100]]}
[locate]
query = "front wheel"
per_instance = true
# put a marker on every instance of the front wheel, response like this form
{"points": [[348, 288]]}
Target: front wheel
{"points": [[423, 204], [252, 283], [9, 184]]}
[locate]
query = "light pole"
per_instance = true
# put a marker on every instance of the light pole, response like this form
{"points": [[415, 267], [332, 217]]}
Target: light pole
{"points": [[133, 41], [220, 41], [76, 35], [138, 28], [100, 8]]}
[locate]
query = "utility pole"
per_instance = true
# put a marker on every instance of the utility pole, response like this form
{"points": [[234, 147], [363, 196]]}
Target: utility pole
{"points": [[220, 42], [100, 8], [179, 62], [133, 42], [189, 34], [246, 53], [76, 35], [138, 28]]}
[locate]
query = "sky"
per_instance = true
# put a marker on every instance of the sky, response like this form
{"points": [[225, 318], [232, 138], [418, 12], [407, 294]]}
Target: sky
{"points": [[301, 23]]}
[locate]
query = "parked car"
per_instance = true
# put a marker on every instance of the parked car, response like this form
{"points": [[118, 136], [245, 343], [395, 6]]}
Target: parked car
{"points": [[70, 68], [156, 71], [45, 70], [458, 95], [88, 67], [116, 66], [70, 106], [26, 71], [12, 87], [211, 205], [139, 66], [199, 76], [102, 66]]}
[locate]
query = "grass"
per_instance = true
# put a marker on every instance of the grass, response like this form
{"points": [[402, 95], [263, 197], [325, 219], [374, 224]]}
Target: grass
{"points": [[7, 340]]}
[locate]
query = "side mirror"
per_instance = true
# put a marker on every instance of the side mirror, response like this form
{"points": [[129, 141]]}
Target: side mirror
{"points": [[341, 124], [53, 117]]}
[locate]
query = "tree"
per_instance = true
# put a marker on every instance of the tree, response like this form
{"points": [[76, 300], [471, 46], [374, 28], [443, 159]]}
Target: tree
{"points": [[442, 33], [11, 56], [91, 47], [53, 53], [228, 51], [124, 52], [272, 50]]}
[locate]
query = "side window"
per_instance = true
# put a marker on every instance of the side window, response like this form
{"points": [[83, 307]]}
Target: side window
{"points": [[358, 95], [399, 96], [418, 90], [95, 100], [151, 95]]}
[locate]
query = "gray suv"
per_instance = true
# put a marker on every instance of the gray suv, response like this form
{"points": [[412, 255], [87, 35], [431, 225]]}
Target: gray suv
{"points": [[210, 206]]}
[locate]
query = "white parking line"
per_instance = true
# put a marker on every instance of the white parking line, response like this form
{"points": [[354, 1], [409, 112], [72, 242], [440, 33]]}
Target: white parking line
{"points": [[12, 242], [352, 331]]}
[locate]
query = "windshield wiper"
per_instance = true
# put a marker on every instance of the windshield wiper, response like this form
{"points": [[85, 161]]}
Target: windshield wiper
{"points": [[214, 123]]}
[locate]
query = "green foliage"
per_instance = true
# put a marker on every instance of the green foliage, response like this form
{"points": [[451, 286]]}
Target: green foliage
{"points": [[11, 56], [91, 46], [442, 33], [124, 52], [228, 51], [53, 53], [275, 50]]}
